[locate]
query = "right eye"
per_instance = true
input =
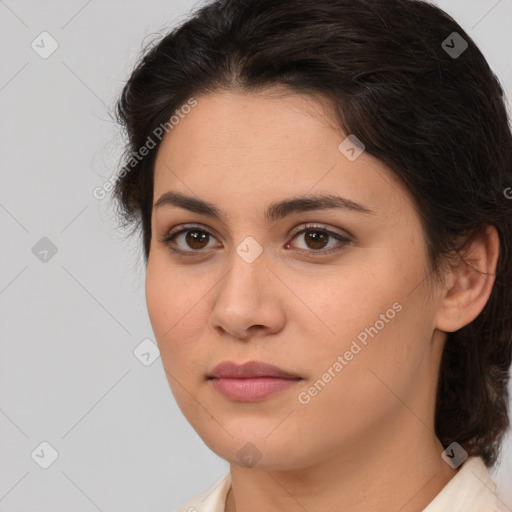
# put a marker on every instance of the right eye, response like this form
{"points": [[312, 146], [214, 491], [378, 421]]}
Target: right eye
{"points": [[193, 237]]}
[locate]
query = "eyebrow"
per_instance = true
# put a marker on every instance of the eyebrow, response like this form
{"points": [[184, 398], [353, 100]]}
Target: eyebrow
{"points": [[275, 211]]}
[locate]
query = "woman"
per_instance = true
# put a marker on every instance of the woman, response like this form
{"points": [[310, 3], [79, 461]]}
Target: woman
{"points": [[322, 191]]}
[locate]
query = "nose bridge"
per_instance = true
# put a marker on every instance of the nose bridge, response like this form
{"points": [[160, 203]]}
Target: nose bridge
{"points": [[247, 273]]}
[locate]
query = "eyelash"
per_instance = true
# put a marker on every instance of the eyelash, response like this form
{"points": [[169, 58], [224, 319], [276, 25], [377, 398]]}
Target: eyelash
{"points": [[168, 239]]}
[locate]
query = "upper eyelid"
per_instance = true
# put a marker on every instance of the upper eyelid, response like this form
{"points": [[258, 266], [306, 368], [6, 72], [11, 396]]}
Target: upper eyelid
{"points": [[178, 230], [319, 226]]}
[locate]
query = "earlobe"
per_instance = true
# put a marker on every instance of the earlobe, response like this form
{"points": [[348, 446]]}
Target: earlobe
{"points": [[469, 283]]}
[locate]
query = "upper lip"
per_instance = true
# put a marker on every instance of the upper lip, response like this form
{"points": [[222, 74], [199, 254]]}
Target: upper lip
{"points": [[249, 369]]}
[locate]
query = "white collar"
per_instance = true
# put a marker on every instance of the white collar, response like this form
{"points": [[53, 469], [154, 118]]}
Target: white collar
{"points": [[470, 490]]}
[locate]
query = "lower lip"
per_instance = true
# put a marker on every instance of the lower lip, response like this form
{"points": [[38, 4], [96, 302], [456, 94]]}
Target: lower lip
{"points": [[251, 389]]}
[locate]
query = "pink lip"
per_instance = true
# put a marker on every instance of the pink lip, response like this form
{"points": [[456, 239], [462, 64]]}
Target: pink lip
{"points": [[250, 382], [251, 389], [250, 369]]}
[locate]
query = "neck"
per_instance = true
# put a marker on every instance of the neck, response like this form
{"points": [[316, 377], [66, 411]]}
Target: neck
{"points": [[394, 472]]}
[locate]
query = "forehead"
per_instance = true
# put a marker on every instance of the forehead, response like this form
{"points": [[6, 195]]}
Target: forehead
{"points": [[233, 146], [255, 118], [254, 128]]}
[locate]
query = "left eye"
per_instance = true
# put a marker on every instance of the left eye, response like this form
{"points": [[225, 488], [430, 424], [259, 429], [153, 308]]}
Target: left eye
{"points": [[317, 239]]}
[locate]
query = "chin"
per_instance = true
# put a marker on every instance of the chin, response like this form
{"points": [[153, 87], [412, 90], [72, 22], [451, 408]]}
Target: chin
{"points": [[258, 452]]}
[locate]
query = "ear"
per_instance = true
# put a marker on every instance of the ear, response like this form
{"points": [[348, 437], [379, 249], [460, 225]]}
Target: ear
{"points": [[469, 284]]}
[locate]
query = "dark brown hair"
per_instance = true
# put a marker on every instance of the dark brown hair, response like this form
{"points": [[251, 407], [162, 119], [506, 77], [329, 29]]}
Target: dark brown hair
{"points": [[435, 117]]}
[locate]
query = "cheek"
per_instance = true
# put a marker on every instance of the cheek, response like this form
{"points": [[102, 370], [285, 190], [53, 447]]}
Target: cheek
{"points": [[165, 311], [370, 383], [177, 307], [159, 300], [346, 300], [170, 297], [373, 315]]}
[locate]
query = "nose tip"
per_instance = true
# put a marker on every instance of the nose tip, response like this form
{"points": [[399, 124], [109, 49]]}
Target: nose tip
{"points": [[245, 304]]}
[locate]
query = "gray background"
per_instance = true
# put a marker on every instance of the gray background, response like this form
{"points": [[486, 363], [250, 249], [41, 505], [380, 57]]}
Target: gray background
{"points": [[70, 324]]}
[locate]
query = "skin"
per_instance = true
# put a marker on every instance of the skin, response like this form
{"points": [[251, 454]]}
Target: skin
{"points": [[366, 441]]}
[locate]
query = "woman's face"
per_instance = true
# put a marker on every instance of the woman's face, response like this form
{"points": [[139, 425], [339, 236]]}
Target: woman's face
{"points": [[352, 316]]}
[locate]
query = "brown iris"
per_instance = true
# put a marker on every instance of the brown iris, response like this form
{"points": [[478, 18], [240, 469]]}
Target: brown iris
{"points": [[198, 237], [317, 239]]}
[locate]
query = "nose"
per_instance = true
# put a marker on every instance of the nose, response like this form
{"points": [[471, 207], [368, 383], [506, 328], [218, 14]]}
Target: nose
{"points": [[248, 300]]}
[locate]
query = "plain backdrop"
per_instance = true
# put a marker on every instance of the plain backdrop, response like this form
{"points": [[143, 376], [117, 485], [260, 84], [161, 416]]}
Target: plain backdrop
{"points": [[72, 287]]}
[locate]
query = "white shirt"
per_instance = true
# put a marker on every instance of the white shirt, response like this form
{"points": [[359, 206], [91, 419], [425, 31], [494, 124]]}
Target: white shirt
{"points": [[470, 490]]}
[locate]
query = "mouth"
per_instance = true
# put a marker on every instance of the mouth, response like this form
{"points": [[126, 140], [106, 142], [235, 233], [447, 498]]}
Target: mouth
{"points": [[250, 382]]}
